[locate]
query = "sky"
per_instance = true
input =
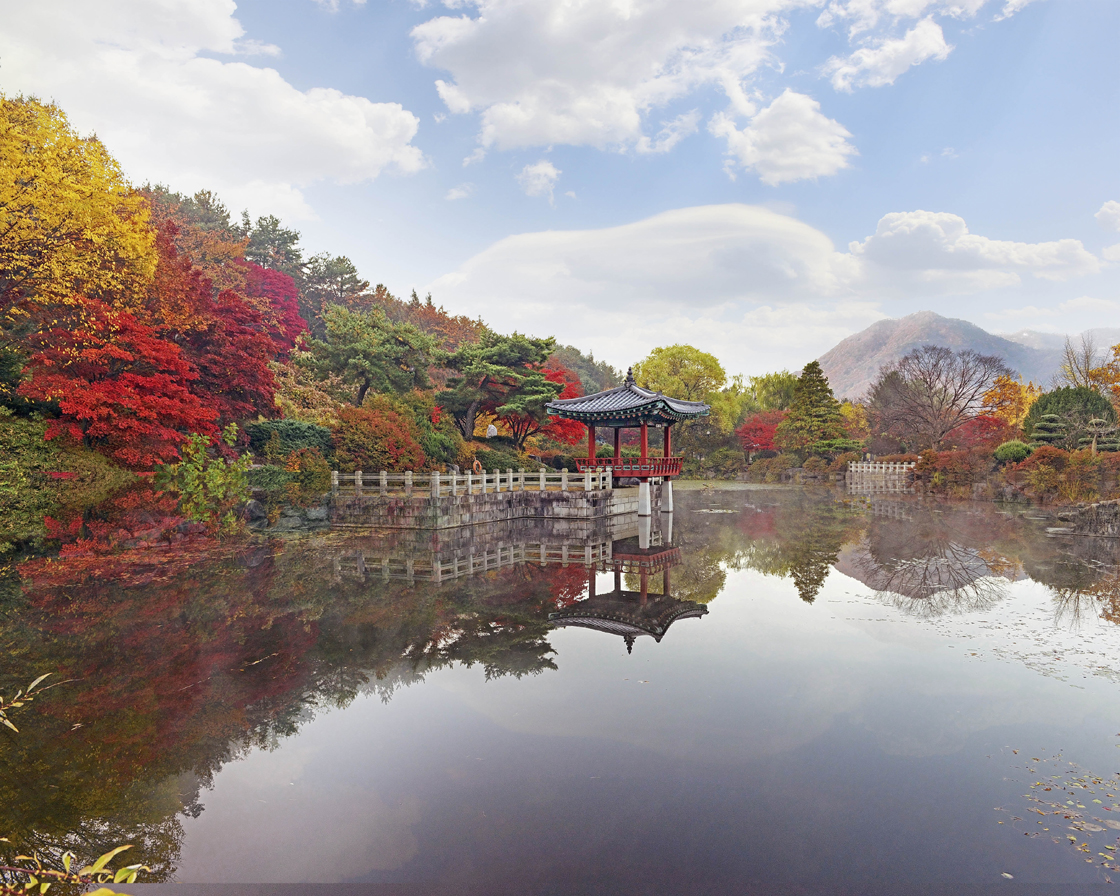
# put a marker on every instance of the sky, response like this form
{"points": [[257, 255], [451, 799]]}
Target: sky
{"points": [[758, 178]]}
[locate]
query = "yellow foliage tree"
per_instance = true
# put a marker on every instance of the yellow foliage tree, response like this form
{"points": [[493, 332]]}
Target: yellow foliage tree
{"points": [[681, 371], [1010, 399], [69, 221]]}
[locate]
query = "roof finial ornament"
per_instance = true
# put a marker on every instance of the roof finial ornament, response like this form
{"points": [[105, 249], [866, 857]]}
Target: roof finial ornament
{"points": [[630, 376]]}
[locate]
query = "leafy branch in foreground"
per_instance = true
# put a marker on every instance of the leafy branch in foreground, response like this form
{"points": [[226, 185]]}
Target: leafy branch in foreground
{"points": [[22, 697], [41, 879]]}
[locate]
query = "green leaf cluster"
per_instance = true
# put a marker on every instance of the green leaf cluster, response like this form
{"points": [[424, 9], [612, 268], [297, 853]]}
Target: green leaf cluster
{"points": [[209, 485]]}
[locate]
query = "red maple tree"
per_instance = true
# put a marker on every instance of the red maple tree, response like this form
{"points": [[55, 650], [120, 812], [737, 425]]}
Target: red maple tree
{"points": [[118, 386], [757, 431]]}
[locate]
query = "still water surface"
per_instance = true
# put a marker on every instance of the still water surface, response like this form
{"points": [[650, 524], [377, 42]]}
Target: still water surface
{"points": [[839, 694]]}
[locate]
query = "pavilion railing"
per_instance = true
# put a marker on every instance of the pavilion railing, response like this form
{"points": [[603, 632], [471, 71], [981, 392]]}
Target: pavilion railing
{"points": [[634, 466], [443, 485]]}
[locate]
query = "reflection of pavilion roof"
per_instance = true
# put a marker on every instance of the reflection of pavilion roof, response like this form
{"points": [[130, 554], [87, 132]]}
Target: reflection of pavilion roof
{"points": [[623, 613], [627, 405], [627, 556]]}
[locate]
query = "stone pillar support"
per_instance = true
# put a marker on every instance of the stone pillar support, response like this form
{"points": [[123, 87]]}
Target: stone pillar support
{"points": [[643, 499]]}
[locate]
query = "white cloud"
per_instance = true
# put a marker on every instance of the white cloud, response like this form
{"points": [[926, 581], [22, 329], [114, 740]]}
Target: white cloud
{"points": [[866, 15], [539, 178], [937, 250], [671, 133], [1109, 215], [587, 72], [141, 75], [332, 5], [460, 192], [1112, 253], [758, 288], [1011, 7], [791, 139], [884, 60]]}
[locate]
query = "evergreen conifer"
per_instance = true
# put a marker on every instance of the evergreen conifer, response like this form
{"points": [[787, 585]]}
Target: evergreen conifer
{"points": [[814, 417]]}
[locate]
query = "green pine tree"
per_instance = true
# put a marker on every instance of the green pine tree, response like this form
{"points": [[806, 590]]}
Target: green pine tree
{"points": [[814, 417]]}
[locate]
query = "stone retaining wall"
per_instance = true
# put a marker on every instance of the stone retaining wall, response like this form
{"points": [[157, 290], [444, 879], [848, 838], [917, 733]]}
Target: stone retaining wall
{"points": [[1102, 518], [424, 512]]}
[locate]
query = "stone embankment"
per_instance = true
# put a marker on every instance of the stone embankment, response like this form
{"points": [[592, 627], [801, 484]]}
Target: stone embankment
{"points": [[1101, 519]]}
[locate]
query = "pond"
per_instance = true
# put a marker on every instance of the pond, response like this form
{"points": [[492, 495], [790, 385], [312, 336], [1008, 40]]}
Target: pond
{"points": [[847, 694]]}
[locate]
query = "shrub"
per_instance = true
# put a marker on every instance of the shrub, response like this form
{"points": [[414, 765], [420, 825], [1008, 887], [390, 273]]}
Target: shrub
{"points": [[815, 465], [725, 462], [310, 477], [945, 468], [1012, 452], [770, 469], [279, 438], [492, 460], [840, 464], [371, 440], [898, 458], [1043, 456]]}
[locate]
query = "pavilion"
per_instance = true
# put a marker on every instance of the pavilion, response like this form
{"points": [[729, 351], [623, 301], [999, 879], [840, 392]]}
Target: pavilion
{"points": [[625, 407]]}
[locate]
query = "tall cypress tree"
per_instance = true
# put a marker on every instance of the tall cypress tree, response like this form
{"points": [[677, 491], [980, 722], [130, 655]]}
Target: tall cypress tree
{"points": [[814, 417]]}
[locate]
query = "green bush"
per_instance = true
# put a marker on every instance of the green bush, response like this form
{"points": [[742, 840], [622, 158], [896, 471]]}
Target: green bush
{"points": [[1013, 452], [276, 439], [271, 482], [500, 460]]}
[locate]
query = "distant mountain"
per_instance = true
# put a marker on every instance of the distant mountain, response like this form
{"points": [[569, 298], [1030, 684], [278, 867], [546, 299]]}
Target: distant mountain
{"points": [[854, 363], [1102, 337]]}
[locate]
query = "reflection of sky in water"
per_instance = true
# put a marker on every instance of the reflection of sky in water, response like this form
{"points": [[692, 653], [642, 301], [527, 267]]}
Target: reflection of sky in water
{"points": [[771, 744]]}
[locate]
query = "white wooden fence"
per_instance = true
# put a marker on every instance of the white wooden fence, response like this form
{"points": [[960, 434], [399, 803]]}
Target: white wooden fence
{"points": [[877, 476], [441, 569], [442, 485]]}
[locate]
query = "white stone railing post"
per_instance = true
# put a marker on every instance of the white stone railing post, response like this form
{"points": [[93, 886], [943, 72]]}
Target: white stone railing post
{"points": [[470, 482], [435, 485], [610, 478], [587, 474], [541, 488], [357, 483], [384, 483], [521, 479], [334, 483], [564, 479], [408, 484]]}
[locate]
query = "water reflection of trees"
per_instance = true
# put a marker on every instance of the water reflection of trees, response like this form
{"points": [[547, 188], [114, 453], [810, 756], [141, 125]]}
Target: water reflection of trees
{"points": [[178, 664], [800, 537], [933, 560]]}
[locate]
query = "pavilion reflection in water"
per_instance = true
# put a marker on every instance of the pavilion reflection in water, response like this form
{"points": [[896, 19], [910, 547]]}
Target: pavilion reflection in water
{"points": [[631, 614], [633, 547]]}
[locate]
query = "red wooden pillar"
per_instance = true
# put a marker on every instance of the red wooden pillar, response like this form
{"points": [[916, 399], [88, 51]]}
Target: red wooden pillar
{"points": [[591, 444], [665, 582], [618, 443], [643, 580], [591, 582], [645, 441], [668, 442]]}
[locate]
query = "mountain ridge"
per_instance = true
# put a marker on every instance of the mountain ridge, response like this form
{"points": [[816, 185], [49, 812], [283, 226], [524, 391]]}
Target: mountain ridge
{"points": [[853, 363]]}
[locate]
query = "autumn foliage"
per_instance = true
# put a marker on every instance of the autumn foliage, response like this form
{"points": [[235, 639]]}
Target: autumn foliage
{"points": [[376, 438], [118, 386], [757, 432]]}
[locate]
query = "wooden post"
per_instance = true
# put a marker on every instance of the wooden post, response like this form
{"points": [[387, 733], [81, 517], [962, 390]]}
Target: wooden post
{"points": [[618, 443], [408, 484], [591, 443], [665, 582], [591, 582], [645, 442], [334, 483], [384, 483], [668, 442], [357, 483]]}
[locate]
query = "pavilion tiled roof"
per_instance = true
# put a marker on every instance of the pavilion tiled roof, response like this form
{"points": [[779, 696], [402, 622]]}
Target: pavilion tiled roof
{"points": [[627, 405]]}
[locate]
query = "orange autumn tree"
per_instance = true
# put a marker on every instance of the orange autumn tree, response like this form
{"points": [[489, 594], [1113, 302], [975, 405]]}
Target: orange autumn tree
{"points": [[1009, 399]]}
